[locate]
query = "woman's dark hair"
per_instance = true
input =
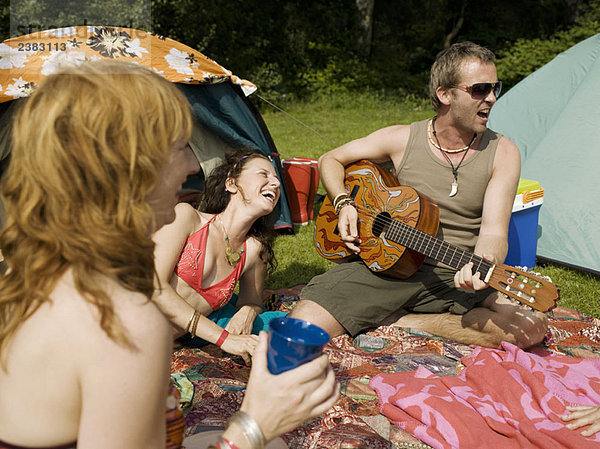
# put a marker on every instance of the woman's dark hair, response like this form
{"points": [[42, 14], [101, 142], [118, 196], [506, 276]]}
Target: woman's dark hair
{"points": [[215, 198]]}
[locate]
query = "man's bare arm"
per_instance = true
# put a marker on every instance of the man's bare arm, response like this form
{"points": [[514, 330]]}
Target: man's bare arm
{"points": [[380, 146], [492, 243]]}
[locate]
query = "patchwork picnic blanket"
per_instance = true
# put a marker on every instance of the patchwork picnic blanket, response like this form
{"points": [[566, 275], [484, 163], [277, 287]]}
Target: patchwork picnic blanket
{"points": [[212, 383]]}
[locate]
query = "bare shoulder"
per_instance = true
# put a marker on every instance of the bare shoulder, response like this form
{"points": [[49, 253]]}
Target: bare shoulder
{"points": [[394, 131], [507, 154], [253, 249], [380, 146], [96, 382], [502, 185], [65, 335], [505, 144], [392, 140], [185, 213], [187, 220], [141, 320], [392, 137]]}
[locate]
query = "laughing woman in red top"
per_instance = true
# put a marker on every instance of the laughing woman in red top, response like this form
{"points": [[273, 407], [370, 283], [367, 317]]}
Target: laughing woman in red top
{"points": [[201, 256]]}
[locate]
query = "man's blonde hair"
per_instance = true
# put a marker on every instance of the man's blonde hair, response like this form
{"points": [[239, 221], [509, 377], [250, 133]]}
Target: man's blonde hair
{"points": [[87, 147], [445, 71]]}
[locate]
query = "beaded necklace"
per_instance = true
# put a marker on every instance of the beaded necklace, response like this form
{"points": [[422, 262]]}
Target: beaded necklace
{"points": [[436, 142]]}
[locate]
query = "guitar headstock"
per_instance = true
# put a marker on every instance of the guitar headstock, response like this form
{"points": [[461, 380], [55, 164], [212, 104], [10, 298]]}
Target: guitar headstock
{"points": [[531, 290]]}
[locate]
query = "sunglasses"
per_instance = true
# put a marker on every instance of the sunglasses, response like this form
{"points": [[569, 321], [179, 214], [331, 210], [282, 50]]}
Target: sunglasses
{"points": [[479, 91]]}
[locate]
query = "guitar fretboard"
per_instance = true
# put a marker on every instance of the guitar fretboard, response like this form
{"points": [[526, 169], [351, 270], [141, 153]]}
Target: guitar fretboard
{"points": [[434, 248]]}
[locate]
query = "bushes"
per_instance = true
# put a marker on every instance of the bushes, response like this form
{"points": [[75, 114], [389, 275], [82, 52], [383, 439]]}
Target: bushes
{"points": [[525, 56], [340, 76]]}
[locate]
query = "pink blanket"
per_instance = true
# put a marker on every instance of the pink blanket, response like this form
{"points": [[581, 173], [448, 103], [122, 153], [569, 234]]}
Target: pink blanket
{"points": [[505, 398]]}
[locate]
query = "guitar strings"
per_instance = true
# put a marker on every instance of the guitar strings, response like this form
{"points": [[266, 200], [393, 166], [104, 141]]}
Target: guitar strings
{"points": [[386, 222]]}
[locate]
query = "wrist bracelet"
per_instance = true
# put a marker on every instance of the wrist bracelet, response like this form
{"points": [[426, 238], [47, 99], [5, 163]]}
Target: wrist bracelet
{"points": [[343, 203], [338, 197], [222, 338], [194, 323], [187, 328], [250, 427]]}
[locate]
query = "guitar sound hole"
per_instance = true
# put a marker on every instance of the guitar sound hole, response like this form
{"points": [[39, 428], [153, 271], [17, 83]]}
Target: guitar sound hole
{"points": [[381, 223]]}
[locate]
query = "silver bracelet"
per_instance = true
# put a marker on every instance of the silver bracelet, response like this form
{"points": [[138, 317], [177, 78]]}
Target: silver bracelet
{"points": [[250, 428]]}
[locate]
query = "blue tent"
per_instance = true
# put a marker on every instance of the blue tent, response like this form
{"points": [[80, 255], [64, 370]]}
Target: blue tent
{"points": [[553, 116]]}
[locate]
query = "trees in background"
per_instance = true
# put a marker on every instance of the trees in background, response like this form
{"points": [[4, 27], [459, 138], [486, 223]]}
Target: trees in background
{"points": [[365, 9], [29, 16], [524, 56], [294, 48]]}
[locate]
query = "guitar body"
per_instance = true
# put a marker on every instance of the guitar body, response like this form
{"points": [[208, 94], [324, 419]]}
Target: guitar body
{"points": [[379, 196]]}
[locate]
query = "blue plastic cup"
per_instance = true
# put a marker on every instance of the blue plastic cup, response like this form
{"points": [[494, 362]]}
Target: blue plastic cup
{"points": [[293, 342]]}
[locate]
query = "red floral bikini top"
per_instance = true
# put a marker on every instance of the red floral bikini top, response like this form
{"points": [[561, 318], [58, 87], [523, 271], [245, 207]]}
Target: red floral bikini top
{"points": [[191, 267]]}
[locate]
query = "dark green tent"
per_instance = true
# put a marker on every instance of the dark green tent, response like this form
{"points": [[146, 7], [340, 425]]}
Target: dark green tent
{"points": [[225, 111]]}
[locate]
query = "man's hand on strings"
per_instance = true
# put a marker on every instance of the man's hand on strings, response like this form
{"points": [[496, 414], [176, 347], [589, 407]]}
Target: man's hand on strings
{"points": [[464, 278]]}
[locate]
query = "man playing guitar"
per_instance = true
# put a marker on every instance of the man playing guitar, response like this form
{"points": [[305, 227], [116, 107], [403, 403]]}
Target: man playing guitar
{"points": [[472, 174]]}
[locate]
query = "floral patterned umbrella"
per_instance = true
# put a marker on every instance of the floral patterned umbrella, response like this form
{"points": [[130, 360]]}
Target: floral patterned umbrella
{"points": [[25, 60]]}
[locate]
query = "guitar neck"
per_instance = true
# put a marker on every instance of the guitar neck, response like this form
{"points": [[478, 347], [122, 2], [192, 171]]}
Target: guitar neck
{"points": [[434, 248]]}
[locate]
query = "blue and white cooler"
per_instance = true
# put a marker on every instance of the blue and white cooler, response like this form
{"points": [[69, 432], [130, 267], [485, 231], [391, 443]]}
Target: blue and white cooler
{"points": [[523, 227]]}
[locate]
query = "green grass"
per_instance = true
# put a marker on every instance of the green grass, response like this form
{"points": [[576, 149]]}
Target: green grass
{"points": [[578, 289], [297, 259], [340, 119]]}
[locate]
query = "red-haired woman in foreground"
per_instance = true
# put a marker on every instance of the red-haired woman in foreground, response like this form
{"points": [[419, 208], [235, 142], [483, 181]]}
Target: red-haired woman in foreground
{"points": [[99, 153]]}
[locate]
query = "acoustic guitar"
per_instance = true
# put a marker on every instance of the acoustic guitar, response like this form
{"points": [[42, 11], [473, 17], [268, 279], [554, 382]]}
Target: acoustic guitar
{"points": [[397, 226]]}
